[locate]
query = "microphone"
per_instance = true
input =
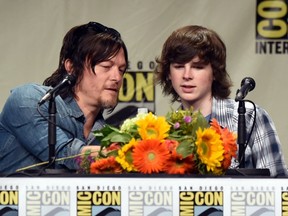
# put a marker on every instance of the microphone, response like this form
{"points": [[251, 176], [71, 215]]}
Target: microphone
{"points": [[247, 85], [68, 80]]}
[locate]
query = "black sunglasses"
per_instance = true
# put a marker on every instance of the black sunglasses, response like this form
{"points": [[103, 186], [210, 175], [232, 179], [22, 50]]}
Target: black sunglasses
{"points": [[99, 28]]}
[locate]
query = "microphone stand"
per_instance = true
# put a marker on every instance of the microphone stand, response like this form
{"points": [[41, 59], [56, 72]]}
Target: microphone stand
{"points": [[52, 138], [241, 139], [52, 131]]}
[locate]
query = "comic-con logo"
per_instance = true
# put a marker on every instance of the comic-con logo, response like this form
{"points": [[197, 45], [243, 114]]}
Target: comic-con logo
{"points": [[284, 203], [137, 87], [271, 27], [148, 203], [9, 201], [98, 203], [200, 203], [47, 203], [252, 203]]}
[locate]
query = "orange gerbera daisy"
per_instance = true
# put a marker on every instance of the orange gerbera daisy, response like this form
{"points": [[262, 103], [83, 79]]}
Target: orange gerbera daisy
{"points": [[105, 165], [150, 156], [177, 165], [216, 126], [229, 143], [230, 147]]}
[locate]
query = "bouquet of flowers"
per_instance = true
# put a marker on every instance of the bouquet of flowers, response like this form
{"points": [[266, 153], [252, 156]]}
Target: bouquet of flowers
{"points": [[183, 142]]}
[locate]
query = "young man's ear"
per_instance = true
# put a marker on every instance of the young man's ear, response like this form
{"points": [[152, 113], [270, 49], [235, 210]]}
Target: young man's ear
{"points": [[68, 66]]}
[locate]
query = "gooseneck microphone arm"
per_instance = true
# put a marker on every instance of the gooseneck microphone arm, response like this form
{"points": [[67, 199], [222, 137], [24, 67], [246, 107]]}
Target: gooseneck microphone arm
{"points": [[247, 84], [68, 80]]}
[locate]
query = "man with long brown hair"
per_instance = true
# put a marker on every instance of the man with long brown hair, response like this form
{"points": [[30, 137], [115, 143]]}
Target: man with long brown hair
{"points": [[95, 58]]}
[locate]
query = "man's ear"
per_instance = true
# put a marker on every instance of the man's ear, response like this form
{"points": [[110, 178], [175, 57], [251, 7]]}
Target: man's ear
{"points": [[68, 66]]}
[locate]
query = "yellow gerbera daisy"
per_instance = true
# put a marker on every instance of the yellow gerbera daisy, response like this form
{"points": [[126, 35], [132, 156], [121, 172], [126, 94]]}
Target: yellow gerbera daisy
{"points": [[124, 157], [153, 127], [209, 148]]}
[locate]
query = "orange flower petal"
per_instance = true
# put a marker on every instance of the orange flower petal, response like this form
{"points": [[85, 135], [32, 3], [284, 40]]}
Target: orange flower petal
{"points": [[178, 165], [150, 156], [105, 165]]}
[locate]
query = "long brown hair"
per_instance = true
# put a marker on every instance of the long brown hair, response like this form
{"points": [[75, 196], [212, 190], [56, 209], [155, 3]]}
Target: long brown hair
{"points": [[92, 42]]}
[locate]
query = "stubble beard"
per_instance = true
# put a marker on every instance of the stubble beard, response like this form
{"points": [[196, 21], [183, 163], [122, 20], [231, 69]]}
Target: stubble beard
{"points": [[109, 104]]}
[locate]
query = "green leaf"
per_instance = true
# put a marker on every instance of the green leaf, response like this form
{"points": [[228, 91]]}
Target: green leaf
{"points": [[112, 153], [107, 129], [201, 121], [185, 148], [121, 138]]}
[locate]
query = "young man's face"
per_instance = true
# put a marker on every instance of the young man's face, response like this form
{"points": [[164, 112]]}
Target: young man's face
{"points": [[100, 89], [192, 81]]}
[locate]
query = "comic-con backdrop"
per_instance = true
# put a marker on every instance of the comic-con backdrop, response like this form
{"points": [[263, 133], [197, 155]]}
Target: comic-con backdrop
{"points": [[255, 33]]}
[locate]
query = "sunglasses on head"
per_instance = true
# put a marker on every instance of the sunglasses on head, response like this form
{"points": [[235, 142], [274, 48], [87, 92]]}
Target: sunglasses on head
{"points": [[99, 28]]}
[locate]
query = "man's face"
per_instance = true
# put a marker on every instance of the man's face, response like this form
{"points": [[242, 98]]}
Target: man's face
{"points": [[100, 90]]}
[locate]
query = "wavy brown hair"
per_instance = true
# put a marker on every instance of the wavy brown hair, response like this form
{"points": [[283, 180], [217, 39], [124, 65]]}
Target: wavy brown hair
{"points": [[92, 42], [182, 46]]}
